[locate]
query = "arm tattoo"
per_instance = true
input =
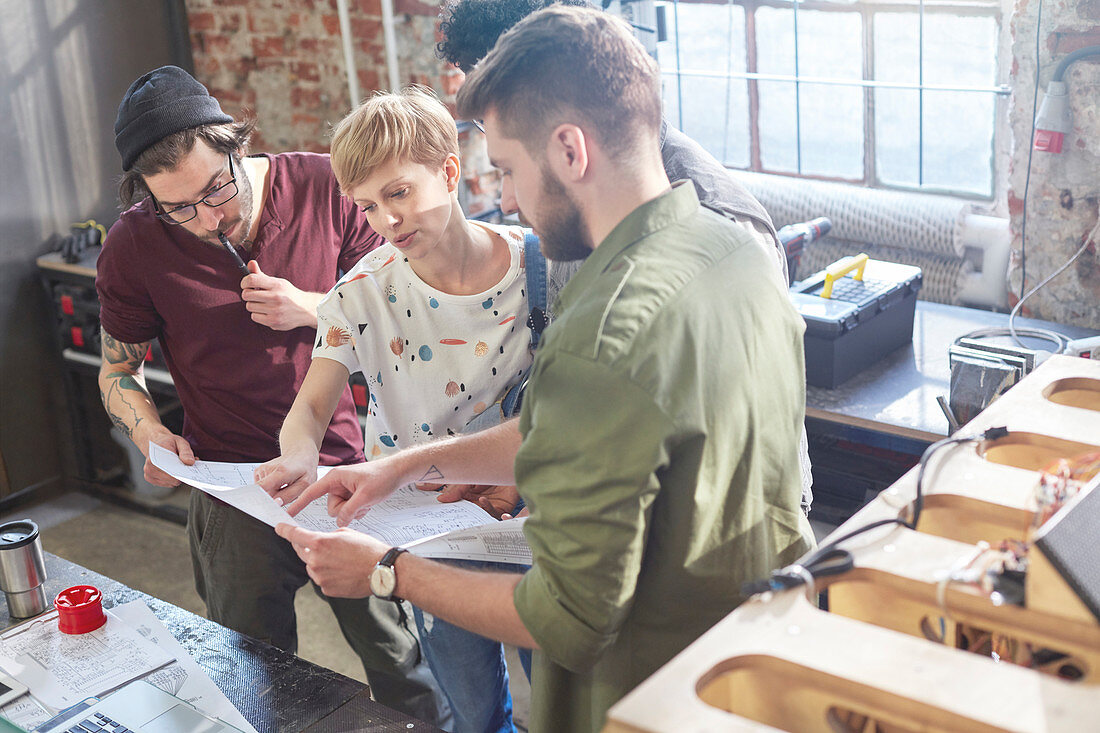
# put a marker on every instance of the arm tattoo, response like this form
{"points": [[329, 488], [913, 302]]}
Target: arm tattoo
{"points": [[116, 396], [117, 352], [123, 383], [433, 474]]}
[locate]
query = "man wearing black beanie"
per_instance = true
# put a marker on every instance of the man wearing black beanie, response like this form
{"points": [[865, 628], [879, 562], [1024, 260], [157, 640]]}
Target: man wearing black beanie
{"points": [[237, 345]]}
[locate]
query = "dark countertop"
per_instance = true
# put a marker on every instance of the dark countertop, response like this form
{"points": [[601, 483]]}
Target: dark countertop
{"points": [[897, 395], [277, 692]]}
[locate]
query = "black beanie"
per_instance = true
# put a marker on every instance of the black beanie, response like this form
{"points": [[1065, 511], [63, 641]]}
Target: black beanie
{"points": [[162, 102]]}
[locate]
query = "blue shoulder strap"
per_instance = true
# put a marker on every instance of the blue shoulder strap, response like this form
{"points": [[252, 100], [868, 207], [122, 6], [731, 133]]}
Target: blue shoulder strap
{"points": [[537, 319], [536, 287]]}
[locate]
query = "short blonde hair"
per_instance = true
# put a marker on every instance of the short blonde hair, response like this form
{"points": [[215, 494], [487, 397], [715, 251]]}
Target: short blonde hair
{"points": [[412, 125]]}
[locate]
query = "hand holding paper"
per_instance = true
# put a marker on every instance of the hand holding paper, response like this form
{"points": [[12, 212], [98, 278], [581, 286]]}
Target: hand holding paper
{"points": [[338, 562], [286, 477], [402, 517], [230, 482]]}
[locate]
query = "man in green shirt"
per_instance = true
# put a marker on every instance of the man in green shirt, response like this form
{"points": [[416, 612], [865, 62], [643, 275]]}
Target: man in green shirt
{"points": [[657, 446]]}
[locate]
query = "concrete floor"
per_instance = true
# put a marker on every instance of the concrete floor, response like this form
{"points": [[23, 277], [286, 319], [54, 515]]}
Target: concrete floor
{"points": [[152, 555]]}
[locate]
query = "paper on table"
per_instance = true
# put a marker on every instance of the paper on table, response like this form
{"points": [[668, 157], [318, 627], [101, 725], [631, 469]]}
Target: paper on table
{"points": [[25, 712], [183, 678], [62, 669], [405, 516]]}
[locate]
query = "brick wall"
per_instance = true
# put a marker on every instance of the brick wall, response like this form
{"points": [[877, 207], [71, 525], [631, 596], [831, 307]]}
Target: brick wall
{"points": [[1063, 198], [283, 60]]}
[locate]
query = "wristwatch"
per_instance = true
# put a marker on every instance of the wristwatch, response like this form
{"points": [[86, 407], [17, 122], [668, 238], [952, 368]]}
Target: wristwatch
{"points": [[383, 579]]}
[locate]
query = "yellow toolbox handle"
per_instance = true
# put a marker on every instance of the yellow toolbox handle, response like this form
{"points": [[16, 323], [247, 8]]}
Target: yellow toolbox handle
{"points": [[93, 224], [841, 268]]}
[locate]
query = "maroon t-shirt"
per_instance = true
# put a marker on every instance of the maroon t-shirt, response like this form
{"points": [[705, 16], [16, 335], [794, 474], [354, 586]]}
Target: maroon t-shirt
{"points": [[236, 379]]}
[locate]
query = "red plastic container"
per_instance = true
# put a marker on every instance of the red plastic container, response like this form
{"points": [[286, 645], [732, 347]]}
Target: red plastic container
{"points": [[80, 609]]}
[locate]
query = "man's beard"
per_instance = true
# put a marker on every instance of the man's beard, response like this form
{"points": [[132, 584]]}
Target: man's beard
{"points": [[244, 208], [562, 234]]}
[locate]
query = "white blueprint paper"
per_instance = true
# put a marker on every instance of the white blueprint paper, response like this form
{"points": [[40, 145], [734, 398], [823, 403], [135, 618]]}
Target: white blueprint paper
{"points": [[497, 542], [25, 712], [183, 678], [404, 517], [62, 669]]}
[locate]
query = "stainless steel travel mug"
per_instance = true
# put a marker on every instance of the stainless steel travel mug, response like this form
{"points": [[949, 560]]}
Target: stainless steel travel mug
{"points": [[22, 569]]}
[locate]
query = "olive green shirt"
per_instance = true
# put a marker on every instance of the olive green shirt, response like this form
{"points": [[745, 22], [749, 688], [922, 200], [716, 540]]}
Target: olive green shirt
{"points": [[659, 460]]}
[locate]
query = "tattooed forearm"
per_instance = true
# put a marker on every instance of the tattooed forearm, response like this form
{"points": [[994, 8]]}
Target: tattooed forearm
{"points": [[122, 426], [118, 403], [117, 352], [121, 385], [126, 380], [432, 475]]}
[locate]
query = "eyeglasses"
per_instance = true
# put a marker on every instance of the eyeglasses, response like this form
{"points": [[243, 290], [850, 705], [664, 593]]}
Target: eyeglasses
{"points": [[187, 212]]}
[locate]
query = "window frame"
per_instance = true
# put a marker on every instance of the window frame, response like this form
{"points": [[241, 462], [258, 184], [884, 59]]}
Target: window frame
{"points": [[867, 10]]}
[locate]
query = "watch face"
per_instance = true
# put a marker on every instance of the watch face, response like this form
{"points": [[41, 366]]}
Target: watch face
{"points": [[383, 581]]}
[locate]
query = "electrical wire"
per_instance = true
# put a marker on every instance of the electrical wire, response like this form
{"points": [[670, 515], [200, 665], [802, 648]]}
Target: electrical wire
{"points": [[1075, 56], [1058, 340], [1089, 239], [1053, 337], [831, 559], [1030, 150]]}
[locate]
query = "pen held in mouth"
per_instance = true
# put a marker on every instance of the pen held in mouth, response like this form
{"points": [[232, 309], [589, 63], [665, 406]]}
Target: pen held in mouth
{"points": [[233, 253]]}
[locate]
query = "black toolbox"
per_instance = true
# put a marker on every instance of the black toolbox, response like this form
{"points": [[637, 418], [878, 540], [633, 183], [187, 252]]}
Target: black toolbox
{"points": [[860, 320]]}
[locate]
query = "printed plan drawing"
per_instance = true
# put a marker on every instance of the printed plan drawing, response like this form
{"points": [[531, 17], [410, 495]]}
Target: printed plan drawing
{"points": [[409, 517]]}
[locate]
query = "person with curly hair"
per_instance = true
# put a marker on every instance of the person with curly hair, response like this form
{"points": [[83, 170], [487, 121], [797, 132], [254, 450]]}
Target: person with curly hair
{"points": [[470, 28]]}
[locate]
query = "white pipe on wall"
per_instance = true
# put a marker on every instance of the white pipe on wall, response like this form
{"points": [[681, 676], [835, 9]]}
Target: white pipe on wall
{"points": [[349, 56], [991, 235], [391, 44]]}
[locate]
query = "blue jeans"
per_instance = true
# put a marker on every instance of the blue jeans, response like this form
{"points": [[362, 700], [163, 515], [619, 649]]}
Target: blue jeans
{"points": [[469, 668]]}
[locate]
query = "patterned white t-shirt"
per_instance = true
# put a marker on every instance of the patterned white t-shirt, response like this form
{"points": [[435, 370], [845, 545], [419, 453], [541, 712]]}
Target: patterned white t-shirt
{"points": [[433, 361]]}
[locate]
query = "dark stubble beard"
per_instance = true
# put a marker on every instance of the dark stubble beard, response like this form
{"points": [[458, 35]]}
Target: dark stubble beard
{"points": [[244, 194], [561, 230]]}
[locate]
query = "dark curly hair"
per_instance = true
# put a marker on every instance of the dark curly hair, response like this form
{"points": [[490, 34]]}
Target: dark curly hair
{"points": [[470, 28]]}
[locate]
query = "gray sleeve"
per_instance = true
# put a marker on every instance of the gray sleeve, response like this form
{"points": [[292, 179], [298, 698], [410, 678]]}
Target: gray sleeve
{"points": [[557, 275]]}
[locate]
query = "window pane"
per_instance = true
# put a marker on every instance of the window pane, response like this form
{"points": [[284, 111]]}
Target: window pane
{"points": [[736, 150], [958, 141], [775, 55], [958, 126], [832, 131], [714, 108], [775, 41], [704, 118], [705, 38], [897, 53], [897, 135], [716, 115], [670, 98], [829, 45], [778, 151], [960, 51]]}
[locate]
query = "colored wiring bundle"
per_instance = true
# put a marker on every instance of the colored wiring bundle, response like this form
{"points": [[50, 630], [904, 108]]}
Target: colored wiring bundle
{"points": [[831, 559]]}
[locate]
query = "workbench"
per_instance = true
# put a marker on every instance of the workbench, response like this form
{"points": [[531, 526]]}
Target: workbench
{"points": [[276, 691]]}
